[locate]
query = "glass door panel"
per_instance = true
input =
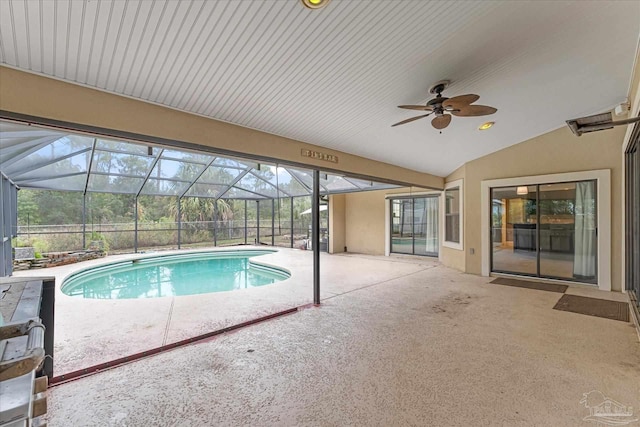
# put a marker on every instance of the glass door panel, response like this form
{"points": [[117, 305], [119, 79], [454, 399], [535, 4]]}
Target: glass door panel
{"points": [[546, 230], [426, 226], [402, 226], [567, 229], [514, 230], [414, 226], [585, 233]]}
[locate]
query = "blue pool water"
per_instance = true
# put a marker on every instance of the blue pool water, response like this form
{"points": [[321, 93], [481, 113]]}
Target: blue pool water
{"points": [[172, 275]]}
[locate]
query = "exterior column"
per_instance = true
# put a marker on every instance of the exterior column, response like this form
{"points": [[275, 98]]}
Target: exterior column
{"points": [[315, 235], [179, 220], [135, 232]]}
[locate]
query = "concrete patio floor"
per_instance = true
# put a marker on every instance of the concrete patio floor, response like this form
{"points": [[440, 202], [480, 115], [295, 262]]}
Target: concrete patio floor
{"points": [[93, 331], [397, 341]]}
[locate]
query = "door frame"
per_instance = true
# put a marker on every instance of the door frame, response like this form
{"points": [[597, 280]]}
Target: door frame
{"points": [[603, 191], [388, 219]]}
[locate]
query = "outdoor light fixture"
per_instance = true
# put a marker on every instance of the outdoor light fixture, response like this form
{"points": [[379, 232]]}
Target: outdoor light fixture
{"points": [[597, 122], [522, 191], [486, 125], [315, 4]]}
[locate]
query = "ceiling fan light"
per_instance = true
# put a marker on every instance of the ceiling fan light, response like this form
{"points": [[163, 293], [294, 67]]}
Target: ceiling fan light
{"points": [[486, 125], [315, 4], [522, 191]]}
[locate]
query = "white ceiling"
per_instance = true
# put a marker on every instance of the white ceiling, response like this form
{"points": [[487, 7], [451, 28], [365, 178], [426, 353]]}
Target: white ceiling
{"points": [[334, 77]]}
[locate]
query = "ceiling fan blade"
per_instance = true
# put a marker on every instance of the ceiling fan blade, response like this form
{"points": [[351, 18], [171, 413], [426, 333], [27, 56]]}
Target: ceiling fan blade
{"points": [[410, 120], [474, 110], [416, 107], [460, 101], [441, 122]]}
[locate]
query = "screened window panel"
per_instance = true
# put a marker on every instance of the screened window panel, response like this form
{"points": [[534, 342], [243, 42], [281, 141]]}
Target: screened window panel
{"points": [[253, 183], [121, 163], [15, 145], [294, 188], [222, 161], [238, 193], [205, 190], [16, 130], [124, 147], [117, 164], [267, 173], [75, 164], [164, 187], [172, 169], [219, 175], [361, 183], [337, 183], [305, 177], [67, 183], [186, 156], [60, 148], [114, 184], [452, 215]]}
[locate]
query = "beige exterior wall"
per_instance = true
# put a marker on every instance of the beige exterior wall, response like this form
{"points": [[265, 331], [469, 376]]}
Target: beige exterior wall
{"points": [[365, 222], [337, 225], [555, 152], [366, 219], [42, 97]]}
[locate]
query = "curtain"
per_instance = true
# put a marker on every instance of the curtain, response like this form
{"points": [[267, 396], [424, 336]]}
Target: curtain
{"points": [[585, 241], [431, 220]]}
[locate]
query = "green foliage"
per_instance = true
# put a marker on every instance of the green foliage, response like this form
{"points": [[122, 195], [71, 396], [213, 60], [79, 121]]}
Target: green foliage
{"points": [[99, 237], [39, 244], [55, 219]]}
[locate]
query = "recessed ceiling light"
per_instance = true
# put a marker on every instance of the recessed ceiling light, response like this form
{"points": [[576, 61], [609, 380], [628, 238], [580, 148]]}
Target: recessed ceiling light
{"points": [[486, 126], [315, 4]]}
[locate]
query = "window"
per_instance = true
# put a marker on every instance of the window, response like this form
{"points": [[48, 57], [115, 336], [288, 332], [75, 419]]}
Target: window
{"points": [[414, 225], [453, 215], [549, 223], [545, 230]]}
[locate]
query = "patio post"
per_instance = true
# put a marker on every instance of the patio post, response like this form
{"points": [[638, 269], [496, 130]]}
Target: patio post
{"points": [[135, 231], [179, 220], [84, 221], [291, 222], [215, 222], [245, 221], [315, 235], [257, 222], [273, 221]]}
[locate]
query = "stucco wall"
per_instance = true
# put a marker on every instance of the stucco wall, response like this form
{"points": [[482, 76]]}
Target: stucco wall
{"points": [[364, 218], [555, 152], [337, 230]]}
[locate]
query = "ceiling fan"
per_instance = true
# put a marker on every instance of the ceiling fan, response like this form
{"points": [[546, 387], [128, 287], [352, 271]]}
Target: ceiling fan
{"points": [[443, 107]]}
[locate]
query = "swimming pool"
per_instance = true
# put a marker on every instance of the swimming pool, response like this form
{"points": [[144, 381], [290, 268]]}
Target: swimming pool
{"points": [[188, 273]]}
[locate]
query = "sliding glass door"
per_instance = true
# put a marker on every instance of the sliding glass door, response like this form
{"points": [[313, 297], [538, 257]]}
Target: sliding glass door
{"points": [[414, 226], [632, 209], [546, 230]]}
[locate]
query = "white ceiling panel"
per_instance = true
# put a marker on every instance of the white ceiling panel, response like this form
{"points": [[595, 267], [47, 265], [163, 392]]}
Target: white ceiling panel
{"points": [[334, 77]]}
